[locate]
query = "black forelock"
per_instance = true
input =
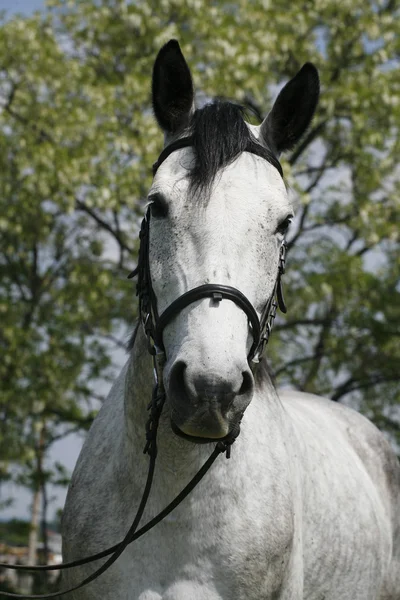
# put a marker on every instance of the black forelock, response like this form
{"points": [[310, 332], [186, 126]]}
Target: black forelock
{"points": [[220, 133]]}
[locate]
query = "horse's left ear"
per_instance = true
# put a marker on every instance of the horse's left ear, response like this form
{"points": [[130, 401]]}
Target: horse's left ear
{"points": [[293, 110], [172, 87]]}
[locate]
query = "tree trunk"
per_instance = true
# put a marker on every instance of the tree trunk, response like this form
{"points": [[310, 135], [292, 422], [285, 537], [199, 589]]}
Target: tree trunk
{"points": [[33, 534], [38, 484], [45, 536]]}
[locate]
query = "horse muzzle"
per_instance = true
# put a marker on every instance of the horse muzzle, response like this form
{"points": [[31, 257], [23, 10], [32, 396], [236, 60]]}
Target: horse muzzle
{"points": [[196, 439], [205, 405]]}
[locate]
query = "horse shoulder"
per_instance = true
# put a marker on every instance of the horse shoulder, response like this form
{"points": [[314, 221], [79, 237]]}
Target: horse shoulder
{"points": [[347, 461], [90, 495], [368, 443]]}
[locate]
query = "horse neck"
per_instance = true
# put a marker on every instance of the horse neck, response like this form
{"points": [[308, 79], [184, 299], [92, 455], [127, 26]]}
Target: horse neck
{"points": [[138, 386]]}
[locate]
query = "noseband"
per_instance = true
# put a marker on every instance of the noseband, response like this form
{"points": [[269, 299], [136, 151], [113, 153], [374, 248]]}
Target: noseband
{"points": [[154, 324]]}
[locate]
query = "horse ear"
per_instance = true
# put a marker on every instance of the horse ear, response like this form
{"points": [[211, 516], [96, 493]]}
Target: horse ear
{"points": [[172, 88], [293, 110]]}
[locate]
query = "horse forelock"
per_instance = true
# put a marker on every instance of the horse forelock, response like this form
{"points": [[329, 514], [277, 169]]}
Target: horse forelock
{"points": [[220, 134]]}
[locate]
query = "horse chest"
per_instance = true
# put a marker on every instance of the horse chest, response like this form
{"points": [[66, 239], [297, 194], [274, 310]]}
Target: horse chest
{"points": [[214, 558], [220, 544]]}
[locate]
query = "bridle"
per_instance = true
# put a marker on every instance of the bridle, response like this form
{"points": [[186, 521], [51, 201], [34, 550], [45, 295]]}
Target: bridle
{"points": [[154, 325]]}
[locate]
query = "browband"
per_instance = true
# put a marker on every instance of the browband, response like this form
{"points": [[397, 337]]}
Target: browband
{"points": [[252, 146]]}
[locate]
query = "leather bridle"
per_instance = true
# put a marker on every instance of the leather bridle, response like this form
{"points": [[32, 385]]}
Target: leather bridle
{"points": [[154, 325]]}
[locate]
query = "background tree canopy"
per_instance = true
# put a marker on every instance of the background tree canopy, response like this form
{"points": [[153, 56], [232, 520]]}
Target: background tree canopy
{"points": [[77, 140]]}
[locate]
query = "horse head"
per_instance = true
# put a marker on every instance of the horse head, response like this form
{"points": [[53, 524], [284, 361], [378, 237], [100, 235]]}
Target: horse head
{"points": [[218, 214]]}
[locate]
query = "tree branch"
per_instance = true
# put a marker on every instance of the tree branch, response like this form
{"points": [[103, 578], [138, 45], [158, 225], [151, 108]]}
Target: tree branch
{"points": [[103, 224], [293, 324], [352, 384], [43, 135], [319, 349], [293, 363], [300, 229], [14, 277], [314, 133]]}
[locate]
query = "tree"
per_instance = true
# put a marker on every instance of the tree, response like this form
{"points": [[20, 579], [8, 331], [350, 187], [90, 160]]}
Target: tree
{"points": [[61, 299], [77, 139]]}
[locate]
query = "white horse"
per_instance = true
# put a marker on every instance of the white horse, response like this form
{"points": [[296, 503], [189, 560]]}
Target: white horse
{"points": [[308, 506]]}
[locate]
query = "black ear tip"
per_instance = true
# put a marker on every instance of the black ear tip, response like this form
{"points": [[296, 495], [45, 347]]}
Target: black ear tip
{"points": [[309, 66], [172, 45], [170, 51], [311, 71]]}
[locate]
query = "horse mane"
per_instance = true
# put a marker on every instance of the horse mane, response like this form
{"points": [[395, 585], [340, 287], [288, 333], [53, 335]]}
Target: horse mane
{"points": [[219, 133], [264, 374], [132, 338]]}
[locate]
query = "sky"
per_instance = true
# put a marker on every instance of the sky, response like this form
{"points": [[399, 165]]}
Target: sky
{"points": [[25, 7], [66, 452]]}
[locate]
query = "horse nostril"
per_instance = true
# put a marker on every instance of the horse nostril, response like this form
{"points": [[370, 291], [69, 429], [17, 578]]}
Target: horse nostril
{"points": [[192, 387], [177, 379], [247, 383]]}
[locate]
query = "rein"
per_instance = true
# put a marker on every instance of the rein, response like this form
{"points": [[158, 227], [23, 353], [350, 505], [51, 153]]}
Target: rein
{"points": [[153, 326]]}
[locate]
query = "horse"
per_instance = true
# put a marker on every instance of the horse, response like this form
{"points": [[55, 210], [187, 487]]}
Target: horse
{"points": [[308, 506]]}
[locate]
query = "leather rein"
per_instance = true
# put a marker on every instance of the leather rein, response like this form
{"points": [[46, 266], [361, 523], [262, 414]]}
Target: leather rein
{"points": [[154, 325]]}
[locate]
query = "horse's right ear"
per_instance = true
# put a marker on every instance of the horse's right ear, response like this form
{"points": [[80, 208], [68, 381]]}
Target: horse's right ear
{"points": [[172, 88]]}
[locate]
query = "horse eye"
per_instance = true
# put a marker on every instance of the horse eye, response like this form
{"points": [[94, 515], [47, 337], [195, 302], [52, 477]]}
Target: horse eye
{"points": [[284, 225], [158, 206]]}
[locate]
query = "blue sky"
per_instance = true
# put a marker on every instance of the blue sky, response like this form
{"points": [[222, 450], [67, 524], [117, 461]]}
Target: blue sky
{"points": [[66, 452], [25, 7]]}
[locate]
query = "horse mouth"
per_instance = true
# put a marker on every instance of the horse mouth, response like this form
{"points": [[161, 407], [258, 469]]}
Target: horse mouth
{"points": [[198, 439]]}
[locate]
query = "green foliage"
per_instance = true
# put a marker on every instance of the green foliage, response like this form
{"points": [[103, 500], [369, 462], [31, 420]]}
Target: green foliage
{"points": [[14, 532], [77, 139]]}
